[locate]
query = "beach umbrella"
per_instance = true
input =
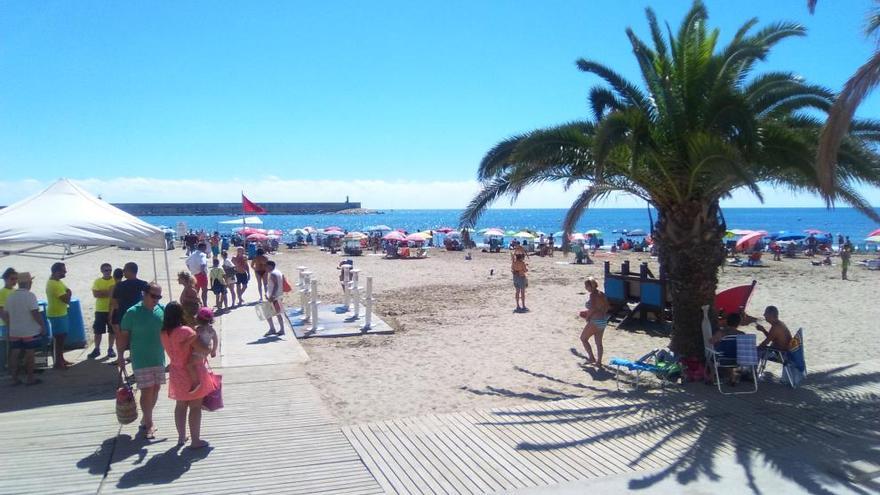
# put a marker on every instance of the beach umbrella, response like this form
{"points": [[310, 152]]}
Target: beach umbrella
{"points": [[791, 237], [814, 231], [577, 236], [426, 234], [593, 232], [417, 237], [274, 232], [636, 233], [510, 233], [379, 228], [394, 236], [873, 238], [523, 235], [334, 233], [444, 230], [257, 237], [246, 231], [873, 233], [354, 236], [493, 233], [749, 240], [332, 227]]}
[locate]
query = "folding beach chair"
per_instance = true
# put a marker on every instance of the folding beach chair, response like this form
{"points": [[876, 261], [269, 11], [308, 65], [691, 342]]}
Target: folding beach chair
{"points": [[735, 352], [794, 366], [660, 362]]}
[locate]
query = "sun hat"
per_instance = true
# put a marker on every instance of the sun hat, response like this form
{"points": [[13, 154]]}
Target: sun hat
{"points": [[205, 313]]}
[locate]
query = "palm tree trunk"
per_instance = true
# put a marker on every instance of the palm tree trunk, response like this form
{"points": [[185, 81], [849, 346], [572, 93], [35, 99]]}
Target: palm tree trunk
{"points": [[689, 237]]}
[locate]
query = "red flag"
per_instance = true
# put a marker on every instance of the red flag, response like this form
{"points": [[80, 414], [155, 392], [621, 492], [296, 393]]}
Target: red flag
{"points": [[249, 206]]}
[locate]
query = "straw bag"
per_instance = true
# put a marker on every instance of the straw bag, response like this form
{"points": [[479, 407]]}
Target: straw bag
{"points": [[126, 406]]}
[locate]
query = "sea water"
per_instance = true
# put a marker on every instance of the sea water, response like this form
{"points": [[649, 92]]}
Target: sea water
{"points": [[845, 221]]}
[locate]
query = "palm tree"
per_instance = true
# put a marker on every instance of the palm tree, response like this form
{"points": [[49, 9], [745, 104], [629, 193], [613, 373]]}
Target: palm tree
{"points": [[841, 114], [702, 125]]}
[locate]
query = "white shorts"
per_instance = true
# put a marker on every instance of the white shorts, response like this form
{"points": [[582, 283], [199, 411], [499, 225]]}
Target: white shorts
{"points": [[149, 377]]}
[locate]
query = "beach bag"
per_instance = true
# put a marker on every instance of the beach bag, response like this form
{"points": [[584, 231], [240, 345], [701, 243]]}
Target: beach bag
{"points": [[214, 400], [285, 285], [266, 310], [126, 406]]}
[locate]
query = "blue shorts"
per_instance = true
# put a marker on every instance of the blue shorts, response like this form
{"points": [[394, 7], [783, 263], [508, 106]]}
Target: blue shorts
{"points": [[60, 324], [26, 345]]}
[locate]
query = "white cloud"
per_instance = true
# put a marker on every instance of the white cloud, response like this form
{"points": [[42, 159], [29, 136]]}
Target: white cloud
{"points": [[376, 194]]}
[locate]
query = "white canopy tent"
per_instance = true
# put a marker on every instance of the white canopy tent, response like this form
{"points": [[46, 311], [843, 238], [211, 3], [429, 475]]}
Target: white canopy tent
{"points": [[66, 215], [243, 221]]}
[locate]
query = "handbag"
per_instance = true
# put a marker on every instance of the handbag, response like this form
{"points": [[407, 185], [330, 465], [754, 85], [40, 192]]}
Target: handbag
{"points": [[285, 285], [126, 406], [214, 400], [266, 310]]}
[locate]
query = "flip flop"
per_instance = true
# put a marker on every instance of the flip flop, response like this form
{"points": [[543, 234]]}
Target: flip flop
{"points": [[197, 447]]}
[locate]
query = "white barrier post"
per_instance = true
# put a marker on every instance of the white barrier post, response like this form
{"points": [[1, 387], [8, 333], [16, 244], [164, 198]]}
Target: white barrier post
{"points": [[356, 293], [304, 297], [299, 282], [314, 307], [346, 282], [368, 304]]}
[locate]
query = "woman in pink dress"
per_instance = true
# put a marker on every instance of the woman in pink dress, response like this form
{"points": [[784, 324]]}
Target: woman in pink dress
{"points": [[179, 341]]}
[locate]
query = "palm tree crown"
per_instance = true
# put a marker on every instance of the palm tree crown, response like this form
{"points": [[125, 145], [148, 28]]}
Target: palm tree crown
{"points": [[702, 124]]}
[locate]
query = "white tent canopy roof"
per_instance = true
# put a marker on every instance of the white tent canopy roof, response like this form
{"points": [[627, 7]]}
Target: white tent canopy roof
{"points": [[245, 221], [64, 213]]}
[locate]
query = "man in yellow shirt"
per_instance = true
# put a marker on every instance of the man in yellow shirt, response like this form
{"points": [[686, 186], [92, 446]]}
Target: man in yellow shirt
{"points": [[58, 298], [102, 289]]}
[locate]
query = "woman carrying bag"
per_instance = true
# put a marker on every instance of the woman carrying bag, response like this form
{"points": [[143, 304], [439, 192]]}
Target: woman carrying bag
{"points": [[179, 341]]}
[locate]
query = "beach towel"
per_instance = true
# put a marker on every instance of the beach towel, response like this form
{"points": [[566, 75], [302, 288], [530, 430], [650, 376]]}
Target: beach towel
{"points": [[746, 350]]}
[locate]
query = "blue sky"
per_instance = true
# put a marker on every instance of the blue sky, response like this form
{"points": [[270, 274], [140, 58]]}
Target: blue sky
{"points": [[393, 103]]}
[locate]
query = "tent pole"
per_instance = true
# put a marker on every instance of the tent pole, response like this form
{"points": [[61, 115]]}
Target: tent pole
{"points": [[168, 274], [155, 270]]}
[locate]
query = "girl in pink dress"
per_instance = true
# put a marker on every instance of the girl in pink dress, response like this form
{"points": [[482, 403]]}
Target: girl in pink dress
{"points": [[179, 342]]}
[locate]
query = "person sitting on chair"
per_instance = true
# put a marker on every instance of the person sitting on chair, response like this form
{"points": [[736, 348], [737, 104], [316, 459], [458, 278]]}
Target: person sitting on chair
{"points": [[778, 337], [727, 348]]}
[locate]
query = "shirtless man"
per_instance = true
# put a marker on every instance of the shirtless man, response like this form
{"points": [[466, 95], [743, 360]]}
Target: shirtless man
{"points": [[778, 337]]}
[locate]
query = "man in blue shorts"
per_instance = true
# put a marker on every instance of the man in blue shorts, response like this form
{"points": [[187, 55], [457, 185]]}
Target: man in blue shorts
{"points": [[26, 328], [58, 299]]}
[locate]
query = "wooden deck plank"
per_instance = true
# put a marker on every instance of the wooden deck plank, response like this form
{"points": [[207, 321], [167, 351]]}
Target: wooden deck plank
{"points": [[410, 438], [399, 476]]}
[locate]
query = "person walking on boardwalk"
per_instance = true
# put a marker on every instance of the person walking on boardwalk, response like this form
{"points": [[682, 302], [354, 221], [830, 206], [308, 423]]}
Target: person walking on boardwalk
{"points": [[274, 293], [26, 327], [126, 293], [139, 334], [259, 264], [197, 264], [180, 342], [242, 274], [58, 299], [102, 289]]}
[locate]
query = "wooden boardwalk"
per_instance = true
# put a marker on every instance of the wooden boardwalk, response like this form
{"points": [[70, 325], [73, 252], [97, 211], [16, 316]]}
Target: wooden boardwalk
{"points": [[619, 433], [274, 435]]}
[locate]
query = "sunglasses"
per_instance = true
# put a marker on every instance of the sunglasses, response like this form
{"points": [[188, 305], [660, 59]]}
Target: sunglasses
{"points": [[154, 296]]}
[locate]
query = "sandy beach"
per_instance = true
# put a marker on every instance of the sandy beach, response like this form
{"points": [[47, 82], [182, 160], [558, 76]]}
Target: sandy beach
{"points": [[458, 344]]}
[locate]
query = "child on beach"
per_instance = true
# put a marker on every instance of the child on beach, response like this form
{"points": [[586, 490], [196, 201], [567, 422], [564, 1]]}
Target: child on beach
{"points": [[519, 268], [217, 282], [207, 337]]}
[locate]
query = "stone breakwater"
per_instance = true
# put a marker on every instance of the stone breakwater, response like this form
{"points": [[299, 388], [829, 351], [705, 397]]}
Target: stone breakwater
{"points": [[186, 209]]}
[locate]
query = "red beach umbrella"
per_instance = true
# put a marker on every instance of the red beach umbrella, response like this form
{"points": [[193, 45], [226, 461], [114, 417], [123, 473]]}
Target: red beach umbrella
{"points": [[394, 236], [749, 240], [444, 230], [257, 237]]}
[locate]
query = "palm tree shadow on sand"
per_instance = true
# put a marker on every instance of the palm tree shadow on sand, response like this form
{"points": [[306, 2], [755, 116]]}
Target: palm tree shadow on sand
{"points": [[811, 436]]}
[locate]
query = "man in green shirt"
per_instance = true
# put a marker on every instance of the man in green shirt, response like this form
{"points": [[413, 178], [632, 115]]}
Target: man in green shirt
{"points": [[139, 333], [57, 299]]}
